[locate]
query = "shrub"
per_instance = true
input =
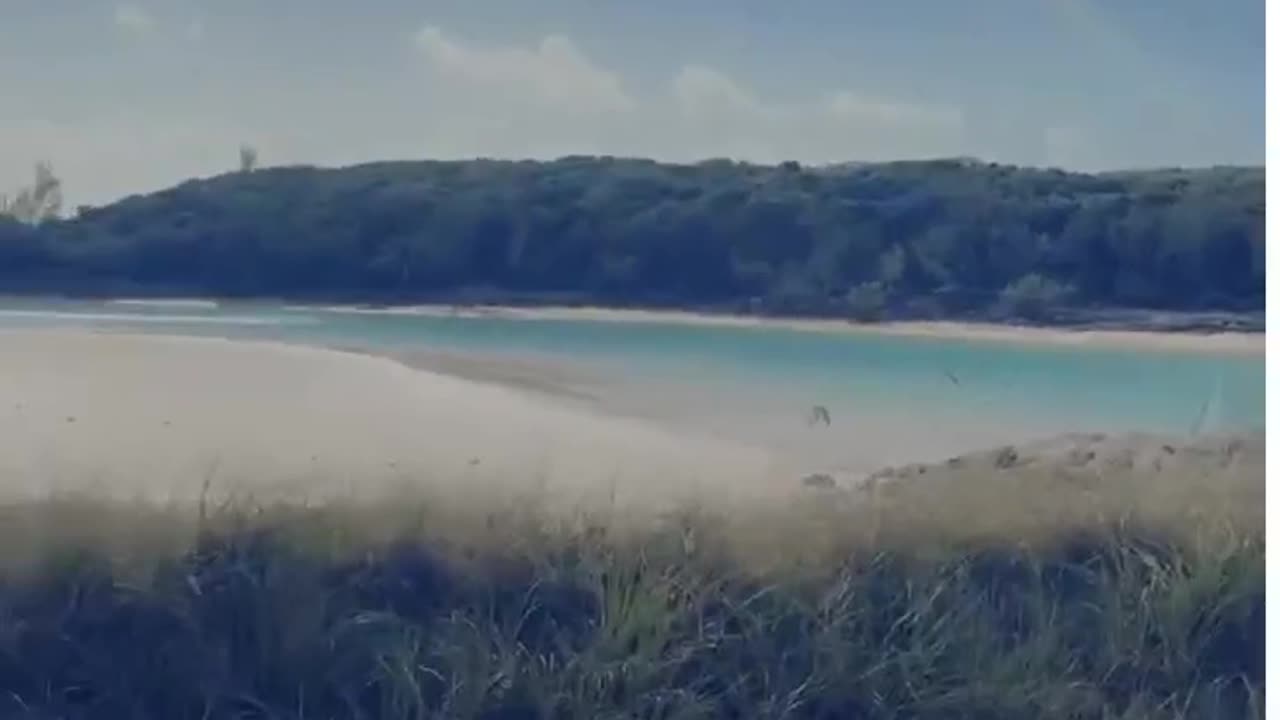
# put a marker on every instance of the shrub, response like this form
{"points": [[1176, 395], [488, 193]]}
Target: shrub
{"points": [[866, 302], [1033, 296]]}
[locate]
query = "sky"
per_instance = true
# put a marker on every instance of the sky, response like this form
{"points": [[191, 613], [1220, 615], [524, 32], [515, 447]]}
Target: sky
{"points": [[135, 96]]}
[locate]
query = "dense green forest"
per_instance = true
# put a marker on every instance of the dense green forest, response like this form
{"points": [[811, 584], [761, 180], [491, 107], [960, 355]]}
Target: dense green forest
{"points": [[946, 238]]}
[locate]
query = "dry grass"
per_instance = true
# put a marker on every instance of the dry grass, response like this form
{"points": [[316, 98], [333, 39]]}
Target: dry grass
{"points": [[1030, 594]]}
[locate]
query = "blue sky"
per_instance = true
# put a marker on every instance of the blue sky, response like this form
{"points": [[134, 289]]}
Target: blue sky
{"points": [[134, 96]]}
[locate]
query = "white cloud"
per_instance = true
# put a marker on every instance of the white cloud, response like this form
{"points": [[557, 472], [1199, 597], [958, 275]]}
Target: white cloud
{"points": [[701, 89], [552, 75], [549, 96], [133, 18]]}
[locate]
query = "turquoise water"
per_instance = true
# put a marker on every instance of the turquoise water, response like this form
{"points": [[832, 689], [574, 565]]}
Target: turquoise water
{"points": [[719, 376]]}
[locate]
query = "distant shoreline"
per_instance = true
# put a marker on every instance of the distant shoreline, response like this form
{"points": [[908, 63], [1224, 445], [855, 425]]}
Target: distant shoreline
{"points": [[1178, 332], [1225, 342]]}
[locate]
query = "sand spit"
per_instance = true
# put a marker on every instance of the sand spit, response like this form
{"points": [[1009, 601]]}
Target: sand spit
{"points": [[162, 417], [1228, 342]]}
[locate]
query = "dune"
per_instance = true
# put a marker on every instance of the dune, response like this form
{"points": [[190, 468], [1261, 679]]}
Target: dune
{"points": [[1071, 481], [177, 418], [1111, 455]]}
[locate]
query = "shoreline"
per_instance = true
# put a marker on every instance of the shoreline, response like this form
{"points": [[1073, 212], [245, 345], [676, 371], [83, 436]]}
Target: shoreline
{"points": [[272, 416], [542, 379], [1218, 343], [1123, 335]]}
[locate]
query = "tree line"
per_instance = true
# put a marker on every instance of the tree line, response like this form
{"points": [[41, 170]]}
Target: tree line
{"points": [[924, 238]]}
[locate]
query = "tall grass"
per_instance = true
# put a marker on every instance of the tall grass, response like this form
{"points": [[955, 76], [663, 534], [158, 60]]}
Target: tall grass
{"points": [[973, 602]]}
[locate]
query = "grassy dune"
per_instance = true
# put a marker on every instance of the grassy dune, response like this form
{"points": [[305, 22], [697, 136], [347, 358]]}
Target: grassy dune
{"points": [[1007, 595]]}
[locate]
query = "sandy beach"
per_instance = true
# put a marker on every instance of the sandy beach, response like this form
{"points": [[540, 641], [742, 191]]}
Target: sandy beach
{"points": [[1231, 343], [168, 417], [158, 416]]}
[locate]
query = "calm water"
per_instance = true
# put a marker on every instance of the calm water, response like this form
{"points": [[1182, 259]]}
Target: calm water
{"points": [[758, 384]]}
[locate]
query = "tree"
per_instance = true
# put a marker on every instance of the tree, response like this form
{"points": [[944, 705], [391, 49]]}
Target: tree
{"points": [[937, 239], [248, 159], [1031, 297], [891, 265], [867, 301], [33, 205]]}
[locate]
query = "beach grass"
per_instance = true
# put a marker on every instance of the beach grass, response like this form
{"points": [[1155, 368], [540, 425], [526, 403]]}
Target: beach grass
{"points": [[997, 597]]}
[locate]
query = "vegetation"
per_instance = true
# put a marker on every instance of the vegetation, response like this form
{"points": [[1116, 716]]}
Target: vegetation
{"points": [[248, 158], [36, 204], [938, 238], [1032, 296], [927, 604]]}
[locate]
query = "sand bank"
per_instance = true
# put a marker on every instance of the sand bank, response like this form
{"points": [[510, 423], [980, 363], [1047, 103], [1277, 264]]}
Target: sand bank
{"points": [[161, 416], [1236, 343], [182, 303]]}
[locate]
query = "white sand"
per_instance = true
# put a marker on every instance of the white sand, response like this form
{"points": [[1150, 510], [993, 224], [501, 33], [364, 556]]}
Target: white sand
{"points": [[157, 416], [1230, 343], [181, 303]]}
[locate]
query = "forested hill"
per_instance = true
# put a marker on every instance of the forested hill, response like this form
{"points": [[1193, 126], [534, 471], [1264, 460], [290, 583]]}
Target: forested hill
{"points": [[940, 238]]}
